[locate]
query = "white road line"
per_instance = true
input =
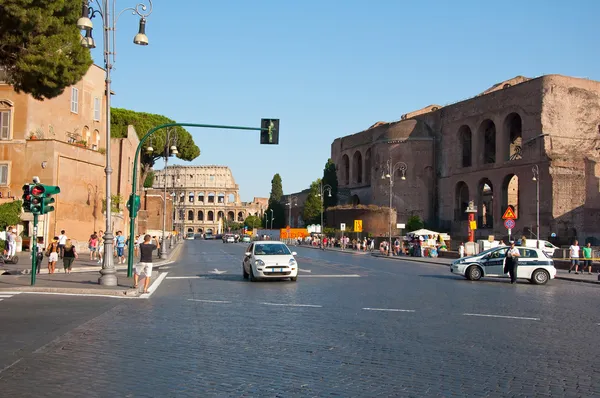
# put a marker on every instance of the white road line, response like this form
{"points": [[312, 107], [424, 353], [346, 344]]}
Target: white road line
{"points": [[9, 292], [154, 285], [331, 276], [304, 270], [80, 295], [388, 309], [293, 305], [211, 301], [185, 277], [11, 365], [1, 299], [504, 316], [6, 295]]}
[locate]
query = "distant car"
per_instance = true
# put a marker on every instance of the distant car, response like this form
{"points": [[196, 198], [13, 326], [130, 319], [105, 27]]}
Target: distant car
{"points": [[189, 235], [228, 239], [534, 265], [209, 236], [246, 239], [269, 260], [198, 236]]}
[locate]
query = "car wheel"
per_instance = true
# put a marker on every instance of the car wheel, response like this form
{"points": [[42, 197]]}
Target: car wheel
{"points": [[473, 273], [540, 277], [251, 276], [245, 274], [294, 279]]}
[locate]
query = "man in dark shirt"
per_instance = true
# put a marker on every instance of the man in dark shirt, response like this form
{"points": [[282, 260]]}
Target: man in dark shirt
{"points": [[145, 264]]}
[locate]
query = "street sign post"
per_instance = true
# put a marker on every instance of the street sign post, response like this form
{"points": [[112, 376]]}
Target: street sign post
{"points": [[509, 214], [509, 224]]}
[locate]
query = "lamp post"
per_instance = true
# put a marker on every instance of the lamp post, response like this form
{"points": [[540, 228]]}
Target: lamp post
{"points": [[109, 21], [293, 202], [536, 177], [170, 149], [322, 189], [271, 218], [391, 170]]}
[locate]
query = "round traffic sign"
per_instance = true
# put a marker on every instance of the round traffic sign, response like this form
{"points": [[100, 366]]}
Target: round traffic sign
{"points": [[509, 224]]}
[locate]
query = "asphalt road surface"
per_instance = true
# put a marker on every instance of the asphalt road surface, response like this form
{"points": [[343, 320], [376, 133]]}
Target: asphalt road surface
{"points": [[352, 325]]}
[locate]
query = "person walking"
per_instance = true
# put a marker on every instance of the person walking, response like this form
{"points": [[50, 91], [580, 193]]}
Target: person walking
{"points": [[587, 258], [93, 246], [120, 245], [145, 264], [62, 240], [40, 254], [69, 255], [461, 250], [574, 256], [512, 258], [11, 238], [52, 253], [100, 246]]}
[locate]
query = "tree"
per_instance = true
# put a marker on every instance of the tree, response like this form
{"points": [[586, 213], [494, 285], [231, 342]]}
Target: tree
{"points": [[276, 188], [40, 49], [414, 223], [149, 180], [143, 122], [330, 178], [278, 214], [312, 205], [10, 213], [253, 222]]}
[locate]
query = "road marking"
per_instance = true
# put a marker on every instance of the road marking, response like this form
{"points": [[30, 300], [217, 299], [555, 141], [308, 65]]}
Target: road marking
{"points": [[154, 285], [6, 295], [1, 299], [11, 365], [388, 309], [184, 277], [80, 295], [211, 301], [293, 305], [331, 276], [10, 292], [304, 270], [504, 316], [216, 271]]}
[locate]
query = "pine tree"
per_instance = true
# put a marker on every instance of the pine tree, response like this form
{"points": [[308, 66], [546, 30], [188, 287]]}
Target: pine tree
{"points": [[330, 178], [278, 213]]}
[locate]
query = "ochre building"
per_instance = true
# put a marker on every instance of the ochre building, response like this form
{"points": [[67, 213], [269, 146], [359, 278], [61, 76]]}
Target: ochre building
{"points": [[487, 149], [205, 199]]}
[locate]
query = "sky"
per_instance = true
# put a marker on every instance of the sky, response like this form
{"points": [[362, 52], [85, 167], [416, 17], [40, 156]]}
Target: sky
{"points": [[330, 68]]}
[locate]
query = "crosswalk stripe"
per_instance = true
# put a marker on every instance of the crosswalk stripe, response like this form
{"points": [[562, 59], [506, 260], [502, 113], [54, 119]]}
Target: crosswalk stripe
{"points": [[5, 295], [9, 292]]}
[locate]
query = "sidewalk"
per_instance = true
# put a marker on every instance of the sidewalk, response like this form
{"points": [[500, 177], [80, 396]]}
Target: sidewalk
{"points": [[560, 273], [83, 281]]}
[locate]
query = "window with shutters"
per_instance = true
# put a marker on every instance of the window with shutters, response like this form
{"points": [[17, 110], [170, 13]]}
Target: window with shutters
{"points": [[4, 125], [97, 108], [4, 174], [74, 100]]}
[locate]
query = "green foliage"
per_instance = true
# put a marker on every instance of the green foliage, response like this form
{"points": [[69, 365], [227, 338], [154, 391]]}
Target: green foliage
{"points": [[312, 206], [276, 188], [40, 46], [115, 203], [330, 178], [414, 223], [278, 215], [10, 213], [253, 222], [149, 180], [143, 122], [232, 226]]}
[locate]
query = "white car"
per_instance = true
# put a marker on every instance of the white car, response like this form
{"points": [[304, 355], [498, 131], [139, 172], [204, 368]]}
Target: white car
{"points": [[230, 239], [534, 265], [269, 260]]}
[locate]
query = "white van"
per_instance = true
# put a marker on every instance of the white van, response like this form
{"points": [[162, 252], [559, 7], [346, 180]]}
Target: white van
{"points": [[546, 246]]}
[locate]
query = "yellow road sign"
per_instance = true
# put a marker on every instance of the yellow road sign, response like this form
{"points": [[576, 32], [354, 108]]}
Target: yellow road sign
{"points": [[357, 225]]}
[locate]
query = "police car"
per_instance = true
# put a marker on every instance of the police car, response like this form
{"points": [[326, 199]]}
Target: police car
{"points": [[534, 265]]}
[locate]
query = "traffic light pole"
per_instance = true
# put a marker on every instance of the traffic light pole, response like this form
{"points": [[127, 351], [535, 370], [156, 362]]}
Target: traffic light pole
{"points": [[34, 263], [133, 213]]}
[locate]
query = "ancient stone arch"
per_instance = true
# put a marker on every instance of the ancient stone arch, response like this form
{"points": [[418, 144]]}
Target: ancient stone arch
{"points": [[465, 137], [461, 201], [487, 134], [345, 170], [357, 168], [513, 129]]}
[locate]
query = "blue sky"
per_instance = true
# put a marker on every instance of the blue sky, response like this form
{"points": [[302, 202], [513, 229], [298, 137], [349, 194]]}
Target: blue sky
{"points": [[331, 68]]}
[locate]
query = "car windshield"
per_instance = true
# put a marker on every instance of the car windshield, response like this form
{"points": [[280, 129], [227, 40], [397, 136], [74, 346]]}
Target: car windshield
{"points": [[271, 249]]}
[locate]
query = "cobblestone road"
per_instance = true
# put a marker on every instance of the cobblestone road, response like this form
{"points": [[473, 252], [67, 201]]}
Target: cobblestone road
{"points": [[351, 326]]}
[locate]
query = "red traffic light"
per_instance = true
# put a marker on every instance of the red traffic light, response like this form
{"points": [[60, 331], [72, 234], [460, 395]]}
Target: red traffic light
{"points": [[37, 190]]}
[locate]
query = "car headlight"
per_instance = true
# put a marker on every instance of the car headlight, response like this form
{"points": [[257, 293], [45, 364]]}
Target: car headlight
{"points": [[260, 263], [292, 261]]}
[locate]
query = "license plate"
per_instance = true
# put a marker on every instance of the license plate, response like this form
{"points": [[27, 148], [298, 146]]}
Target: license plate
{"points": [[280, 269]]}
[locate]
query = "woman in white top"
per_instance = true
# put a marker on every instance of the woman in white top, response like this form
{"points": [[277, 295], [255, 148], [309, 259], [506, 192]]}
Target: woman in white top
{"points": [[512, 258]]}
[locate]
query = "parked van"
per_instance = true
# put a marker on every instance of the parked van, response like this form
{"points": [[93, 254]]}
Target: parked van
{"points": [[546, 246]]}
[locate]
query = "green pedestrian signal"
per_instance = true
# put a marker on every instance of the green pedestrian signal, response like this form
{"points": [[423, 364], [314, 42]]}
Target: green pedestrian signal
{"points": [[42, 198], [133, 210], [269, 131], [26, 198]]}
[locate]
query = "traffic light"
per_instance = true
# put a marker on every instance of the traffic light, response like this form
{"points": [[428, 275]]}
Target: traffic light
{"points": [[42, 198], [269, 133], [136, 207], [26, 198]]}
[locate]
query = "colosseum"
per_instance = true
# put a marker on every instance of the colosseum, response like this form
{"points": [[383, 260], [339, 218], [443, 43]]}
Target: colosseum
{"points": [[488, 149], [205, 198]]}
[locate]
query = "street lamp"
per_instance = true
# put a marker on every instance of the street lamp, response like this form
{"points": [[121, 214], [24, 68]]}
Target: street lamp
{"points": [[170, 149], [293, 202], [391, 170], [109, 21], [536, 177], [271, 218], [322, 189]]}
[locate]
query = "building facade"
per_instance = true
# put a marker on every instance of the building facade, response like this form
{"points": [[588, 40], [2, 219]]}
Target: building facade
{"points": [[205, 199], [484, 149], [62, 141]]}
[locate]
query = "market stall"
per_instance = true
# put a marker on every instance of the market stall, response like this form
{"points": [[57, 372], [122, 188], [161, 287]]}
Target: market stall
{"points": [[426, 243]]}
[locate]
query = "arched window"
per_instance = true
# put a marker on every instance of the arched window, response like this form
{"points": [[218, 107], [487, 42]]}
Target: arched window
{"points": [[191, 197], [357, 167], [220, 216], [200, 197], [487, 131], [211, 216], [211, 197], [486, 204], [200, 215], [231, 198], [368, 166], [230, 216], [514, 132], [346, 169], [510, 193], [240, 217], [191, 215], [465, 139], [221, 198], [461, 201]]}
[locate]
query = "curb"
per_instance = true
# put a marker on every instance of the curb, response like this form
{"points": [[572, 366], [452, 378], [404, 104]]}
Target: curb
{"points": [[349, 251], [569, 278]]}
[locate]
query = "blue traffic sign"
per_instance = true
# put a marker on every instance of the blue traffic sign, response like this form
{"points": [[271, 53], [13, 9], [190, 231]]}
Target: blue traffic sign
{"points": [[509, 224]]}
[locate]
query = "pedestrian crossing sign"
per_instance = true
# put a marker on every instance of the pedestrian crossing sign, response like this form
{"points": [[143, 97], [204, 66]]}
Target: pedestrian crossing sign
{"points": [[509, 214], [357, 225]]}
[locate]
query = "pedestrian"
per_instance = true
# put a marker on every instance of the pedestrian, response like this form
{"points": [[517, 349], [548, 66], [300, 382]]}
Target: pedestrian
{"points": [[574, 256], [52, 253], [512, 258], [11, 238], [461, 249], [100, 246], [145, 264], [93, 246], [587, 258], [62, 240], [40, 254], [70, 254], [120, 240]]}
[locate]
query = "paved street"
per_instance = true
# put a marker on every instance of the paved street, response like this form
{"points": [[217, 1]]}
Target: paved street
{"points": [[352, 325]]}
